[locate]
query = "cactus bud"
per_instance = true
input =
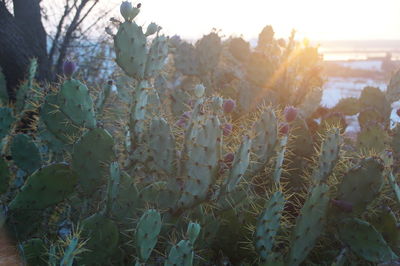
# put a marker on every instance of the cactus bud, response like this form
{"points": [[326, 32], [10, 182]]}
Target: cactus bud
{"points": [[283, 128], [193, 232], [228, 158], [290, 113], [229, 105], [69, 68], [199, 90], [151, 29], [227, 129], [126, 10]]}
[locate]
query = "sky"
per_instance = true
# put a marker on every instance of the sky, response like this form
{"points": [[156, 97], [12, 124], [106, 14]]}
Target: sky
{"points": [[313, 19]]}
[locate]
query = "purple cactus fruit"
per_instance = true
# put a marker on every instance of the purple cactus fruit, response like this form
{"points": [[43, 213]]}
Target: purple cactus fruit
{"points": [[184, 119], [284, 128], [228, 158], [181, 122], [342, 205], [290, 113], [227, 129], [69, 68], [398, 112], [229, 105]]}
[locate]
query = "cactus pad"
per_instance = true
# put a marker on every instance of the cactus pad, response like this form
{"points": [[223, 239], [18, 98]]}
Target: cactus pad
{"points": [[147, 230], [25, 153]]}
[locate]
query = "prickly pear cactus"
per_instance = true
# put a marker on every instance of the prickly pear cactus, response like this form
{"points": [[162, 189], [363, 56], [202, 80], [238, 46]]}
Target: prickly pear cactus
{"points": [[131, 50], [372, 137], [158, 53], [204, 152], [6, 120], [25, 153], [161, 136], [76, 103], [362, 184], [46, 187], [102, 239], [365, 241], [309, 224], [182, 253], [91, 152], [208, 51], [393, 89], [185, 59], [329, 155], [268, 225], [239, 166], [147, 230], [348, 106], [265, 140]]}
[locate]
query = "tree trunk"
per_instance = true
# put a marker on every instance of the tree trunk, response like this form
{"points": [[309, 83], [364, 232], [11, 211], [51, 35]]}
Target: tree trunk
{"points": [[22, 37]]}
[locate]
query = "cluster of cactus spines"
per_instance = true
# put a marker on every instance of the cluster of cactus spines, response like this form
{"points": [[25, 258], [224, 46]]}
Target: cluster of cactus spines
{"points": [[147, 231], [329, 155], [182, 253], [362, 184], [364, 240], [47, 186], [34, 252], [25, 153], [90, 153], [268, 225]]}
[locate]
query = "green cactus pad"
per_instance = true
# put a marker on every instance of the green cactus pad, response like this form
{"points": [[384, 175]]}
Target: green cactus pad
{"points": [[279, 159], [25, 153], [193, 231], [186, 59], [6, 120], [385, 222], [311, 102], [208, 51], [368, 115], [264, 143], [348, 106], [260, 68], [127, 203], [47, 186], [362, 184], [365, 241], [239, 165], [239, 48], [147, 230], [34, 252], [76, 103], [162, 137], [157, 56], [131, 50], [204, 152], [372, 97], [102, 239], [113, 186], [372, 137], [309, 224], [4, 176], [268, 225], [328, 157], [302, 144], [181, 254], [56, 121], [90, 155]]}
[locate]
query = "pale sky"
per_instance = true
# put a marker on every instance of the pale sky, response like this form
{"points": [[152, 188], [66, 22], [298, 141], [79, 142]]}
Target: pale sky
{"points": [[314, 19]]}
